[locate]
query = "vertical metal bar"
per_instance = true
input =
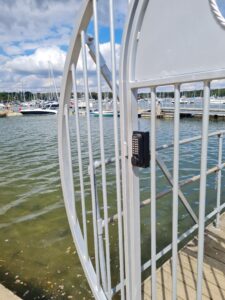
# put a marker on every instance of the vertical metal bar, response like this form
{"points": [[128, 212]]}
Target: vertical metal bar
{"points": [[104, 190], [71, 196], [133, 231], [175, 188], [116, 141], [126, 165], [91, 166], [220, 151], [102, 254], [100, 239], [80, 160], [153, 191], [202, 194]]}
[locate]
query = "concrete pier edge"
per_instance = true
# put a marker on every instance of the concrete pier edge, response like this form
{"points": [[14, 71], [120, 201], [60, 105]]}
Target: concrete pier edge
{"points": [[6, 294]]}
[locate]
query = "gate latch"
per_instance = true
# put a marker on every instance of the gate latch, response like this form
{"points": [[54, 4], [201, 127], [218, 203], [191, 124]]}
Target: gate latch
{"points": [[140, 149]]}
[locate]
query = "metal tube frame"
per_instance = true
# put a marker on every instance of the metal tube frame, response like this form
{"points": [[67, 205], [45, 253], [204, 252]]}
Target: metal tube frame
{"points": [[219, 176], [65, 161], [182, 237], [104, 189], [97, 163], [91, 169], [153, 192], [175, 190], [132, 209], [80, 160], [167, 191], [202, 194], [117, 154], [195, 178]]}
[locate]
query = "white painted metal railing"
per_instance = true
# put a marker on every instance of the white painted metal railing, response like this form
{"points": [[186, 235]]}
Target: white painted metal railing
{"points": [[135, 74], [98, 272]]}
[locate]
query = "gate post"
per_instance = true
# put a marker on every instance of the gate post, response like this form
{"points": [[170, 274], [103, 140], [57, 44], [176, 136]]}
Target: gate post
{"points": [[131, 200]]}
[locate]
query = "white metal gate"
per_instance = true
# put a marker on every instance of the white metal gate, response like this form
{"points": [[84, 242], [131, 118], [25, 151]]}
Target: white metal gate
{"points": [[97, 270], [145, 63]]}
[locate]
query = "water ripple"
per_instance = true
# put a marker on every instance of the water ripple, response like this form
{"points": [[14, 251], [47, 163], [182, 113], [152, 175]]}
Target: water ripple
{"points": [[33, 216]]}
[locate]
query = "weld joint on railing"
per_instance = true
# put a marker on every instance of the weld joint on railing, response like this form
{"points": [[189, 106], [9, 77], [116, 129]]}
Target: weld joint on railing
{"points": [[221, 167]]}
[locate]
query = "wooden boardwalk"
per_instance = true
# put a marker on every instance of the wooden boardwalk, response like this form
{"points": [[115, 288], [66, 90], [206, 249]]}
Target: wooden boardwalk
{"points": [[214, 269]]}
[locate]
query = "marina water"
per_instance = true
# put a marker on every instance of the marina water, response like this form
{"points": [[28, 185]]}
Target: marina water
{"points": [[38, 259]]}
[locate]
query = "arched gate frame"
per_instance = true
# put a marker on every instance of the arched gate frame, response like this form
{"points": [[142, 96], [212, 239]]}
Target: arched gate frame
{"points": [[190, 55], [99, 273]]}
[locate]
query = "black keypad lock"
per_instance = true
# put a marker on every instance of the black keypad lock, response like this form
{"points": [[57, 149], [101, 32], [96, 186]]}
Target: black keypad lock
{"points": [[140, 149]]}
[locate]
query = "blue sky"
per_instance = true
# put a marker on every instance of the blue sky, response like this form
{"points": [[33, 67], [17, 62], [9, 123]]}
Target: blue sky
{"points": [[34, 32], [221, 5]]}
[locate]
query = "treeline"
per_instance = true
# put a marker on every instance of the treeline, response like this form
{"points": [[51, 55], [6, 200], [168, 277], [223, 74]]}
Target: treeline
{"points": [[20, 97], [29, 96]]}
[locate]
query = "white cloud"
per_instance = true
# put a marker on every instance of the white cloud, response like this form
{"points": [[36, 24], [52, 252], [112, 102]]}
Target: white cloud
{"points": [[35, 20], [33, 32], [40, 20], [33, 69], [38, 62]]}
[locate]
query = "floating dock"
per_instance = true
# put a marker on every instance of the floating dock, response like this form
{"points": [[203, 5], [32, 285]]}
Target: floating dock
{"points": [[168, 112], [213, 271]]}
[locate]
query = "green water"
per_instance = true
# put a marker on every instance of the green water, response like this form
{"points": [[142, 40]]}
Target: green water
{"points": [[38, 259]]}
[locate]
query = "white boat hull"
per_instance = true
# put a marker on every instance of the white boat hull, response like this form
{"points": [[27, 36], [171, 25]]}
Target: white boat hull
{"points": [[38, 111]]}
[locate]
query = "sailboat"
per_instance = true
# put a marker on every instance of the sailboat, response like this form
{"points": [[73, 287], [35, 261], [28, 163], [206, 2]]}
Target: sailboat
{"points": [[49, 108]]}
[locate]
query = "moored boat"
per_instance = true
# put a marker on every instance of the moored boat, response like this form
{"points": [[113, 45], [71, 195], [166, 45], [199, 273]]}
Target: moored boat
{"points": [[214, 100], [105, 113], [49, 109], [38, 111]]}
